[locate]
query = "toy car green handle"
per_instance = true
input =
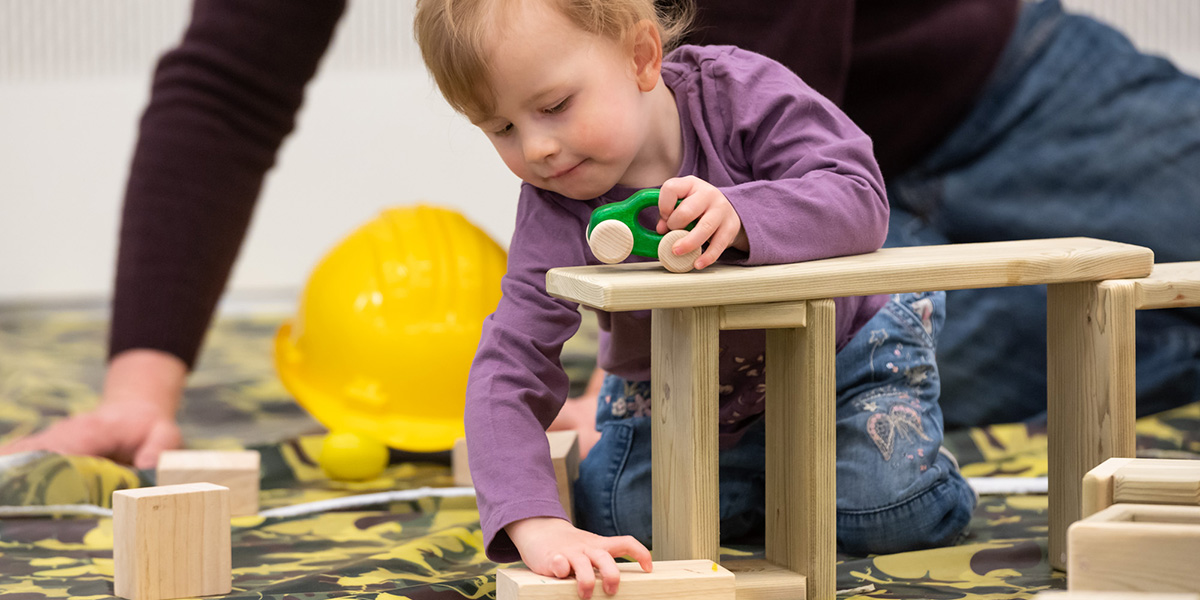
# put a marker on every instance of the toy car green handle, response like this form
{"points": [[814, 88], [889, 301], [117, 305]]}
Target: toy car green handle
{"points": [[645, 241]]}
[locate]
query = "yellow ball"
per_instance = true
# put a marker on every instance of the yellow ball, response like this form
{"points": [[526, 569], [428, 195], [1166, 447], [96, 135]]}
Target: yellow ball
{"points": [[347, 455]]}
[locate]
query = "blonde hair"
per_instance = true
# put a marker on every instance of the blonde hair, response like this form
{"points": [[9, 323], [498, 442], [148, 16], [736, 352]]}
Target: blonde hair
{"points": [[452, 35]]}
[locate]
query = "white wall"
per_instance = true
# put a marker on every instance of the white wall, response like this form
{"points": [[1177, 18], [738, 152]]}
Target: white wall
{"points": [[74, 77]]}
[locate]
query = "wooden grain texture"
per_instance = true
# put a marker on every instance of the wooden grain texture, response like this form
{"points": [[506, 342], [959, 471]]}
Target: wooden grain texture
{"points": [[171, 542], [691, 579], [1090, 389], [1170, 285], [758, 579], [1158, 481], [1136, 547], [670, 261], [611, 242], [770, 315], [237, 470], [683, 365], [801, 481], [1097, 493], [637, 286]]}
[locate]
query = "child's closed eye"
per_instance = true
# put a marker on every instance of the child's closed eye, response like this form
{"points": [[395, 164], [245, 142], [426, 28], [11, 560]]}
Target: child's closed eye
{"points": [[559, 107]]}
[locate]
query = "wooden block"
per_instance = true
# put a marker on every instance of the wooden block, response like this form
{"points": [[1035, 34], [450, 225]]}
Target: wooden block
{"points": [[1136, 547], [771, 315], [564, 453], [1169, 285], [236, 470], [801, 473], [171, 541], [458, 463], [690, 579], [1113, 596], [758, 579], [1098, 486], [1091, 398], [684, 389]]}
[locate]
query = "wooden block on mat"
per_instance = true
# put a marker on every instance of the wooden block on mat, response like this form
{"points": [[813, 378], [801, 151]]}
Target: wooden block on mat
{"points": [[171, 541], [759, 579], [237, 470], [564, 452], [683, 579], [1136, 547], [1141, 481]]}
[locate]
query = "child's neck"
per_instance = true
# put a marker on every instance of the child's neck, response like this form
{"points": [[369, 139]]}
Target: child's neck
{"points": [[661, 155]]}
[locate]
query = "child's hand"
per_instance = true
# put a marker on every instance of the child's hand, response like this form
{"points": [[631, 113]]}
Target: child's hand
{"points": [[555, 548], [719, 223]]}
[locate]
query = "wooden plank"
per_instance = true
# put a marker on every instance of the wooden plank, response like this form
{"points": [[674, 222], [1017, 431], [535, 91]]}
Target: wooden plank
{"points": [[801, 481], [692, 579], [1136, 547], [683, 366], [638, 286], [1170, 285], [758, 579], [1114, 596], [1158, 481], [237, 470], [771, 315], [171, 541], [1090, 388]]}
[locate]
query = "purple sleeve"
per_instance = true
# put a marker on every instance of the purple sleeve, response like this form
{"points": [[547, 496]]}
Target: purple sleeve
{"points": [[221, 104], [818, 191], [517, 383]]}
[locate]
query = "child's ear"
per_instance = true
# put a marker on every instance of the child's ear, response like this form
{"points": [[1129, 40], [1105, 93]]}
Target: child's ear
{"points": [[647, 55]]}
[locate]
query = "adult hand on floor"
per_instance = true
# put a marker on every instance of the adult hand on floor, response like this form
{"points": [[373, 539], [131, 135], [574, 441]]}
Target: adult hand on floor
{"points": [[135, 420]]}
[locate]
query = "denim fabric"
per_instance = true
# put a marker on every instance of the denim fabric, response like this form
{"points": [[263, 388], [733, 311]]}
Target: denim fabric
{"points": [[896, 492], [1077, 133]]}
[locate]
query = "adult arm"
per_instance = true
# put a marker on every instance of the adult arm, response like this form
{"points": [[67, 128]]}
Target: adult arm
{"points": [[221, 104]]}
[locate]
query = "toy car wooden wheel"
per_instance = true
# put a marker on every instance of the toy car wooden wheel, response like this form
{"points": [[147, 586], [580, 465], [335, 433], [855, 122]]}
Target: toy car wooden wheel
{"points": [[611, 241], [676, 264]]}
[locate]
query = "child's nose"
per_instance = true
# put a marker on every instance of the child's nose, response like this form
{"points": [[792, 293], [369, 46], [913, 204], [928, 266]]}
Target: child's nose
{"points": [[540, 147]]}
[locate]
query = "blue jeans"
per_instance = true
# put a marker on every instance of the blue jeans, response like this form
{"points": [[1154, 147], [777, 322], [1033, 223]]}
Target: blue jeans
{"points": [[1076, 134], [895, 490]]}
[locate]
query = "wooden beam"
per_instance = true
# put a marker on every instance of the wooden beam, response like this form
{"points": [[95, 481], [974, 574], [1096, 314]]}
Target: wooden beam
{"points": [[683, 365], [1136, 547], [771, 315], [691, 579], [1091, 398], [639, 286]]}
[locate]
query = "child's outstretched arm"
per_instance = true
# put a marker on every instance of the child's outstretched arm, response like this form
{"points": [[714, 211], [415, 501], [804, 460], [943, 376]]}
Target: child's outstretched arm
{"points": [[555, 548]]}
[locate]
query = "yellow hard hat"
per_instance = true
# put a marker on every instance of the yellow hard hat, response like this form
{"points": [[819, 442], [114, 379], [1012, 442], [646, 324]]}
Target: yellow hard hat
{"points": [[388, 324]]}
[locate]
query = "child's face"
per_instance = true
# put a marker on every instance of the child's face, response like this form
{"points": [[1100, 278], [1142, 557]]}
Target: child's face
{"points": [[572, 112]]}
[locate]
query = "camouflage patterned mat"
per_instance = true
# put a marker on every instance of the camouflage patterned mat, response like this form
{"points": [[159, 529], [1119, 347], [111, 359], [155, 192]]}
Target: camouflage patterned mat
{"points": [[51, 364]]}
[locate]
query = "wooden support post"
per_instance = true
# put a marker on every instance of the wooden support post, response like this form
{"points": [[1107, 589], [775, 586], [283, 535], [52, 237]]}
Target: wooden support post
{"points": [[171, 541], [1091, 394], [801, 462], [691, 579], [683, 366], [237, 470]]}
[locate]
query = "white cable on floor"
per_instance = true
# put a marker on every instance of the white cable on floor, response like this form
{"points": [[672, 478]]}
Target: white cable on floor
{"points": [[992, 486], [54, 509]]}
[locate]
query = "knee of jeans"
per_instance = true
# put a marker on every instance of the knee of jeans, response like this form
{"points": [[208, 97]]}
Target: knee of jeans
{"points": [[938, 517], [612, 494]]}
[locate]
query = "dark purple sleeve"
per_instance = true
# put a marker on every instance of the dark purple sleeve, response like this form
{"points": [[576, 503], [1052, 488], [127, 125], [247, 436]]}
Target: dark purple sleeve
{"points": [[221, 104]]}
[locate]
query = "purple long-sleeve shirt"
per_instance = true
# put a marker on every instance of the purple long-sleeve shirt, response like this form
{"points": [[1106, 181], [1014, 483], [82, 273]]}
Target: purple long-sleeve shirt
{"points": [[805, 184]]}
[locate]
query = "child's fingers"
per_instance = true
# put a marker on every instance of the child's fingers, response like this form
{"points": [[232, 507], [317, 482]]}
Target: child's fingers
{"points": [[708, 225], [627, 545], [610, 577], [585, 576], [670, 193], [560, 567], [719, 242]]}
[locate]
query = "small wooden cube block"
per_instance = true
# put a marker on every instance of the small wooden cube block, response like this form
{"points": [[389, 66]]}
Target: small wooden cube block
{"points": [[1141, 481], [691, 579], [1136, 547], [564, 452], [171, 541], [236, 470]]}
